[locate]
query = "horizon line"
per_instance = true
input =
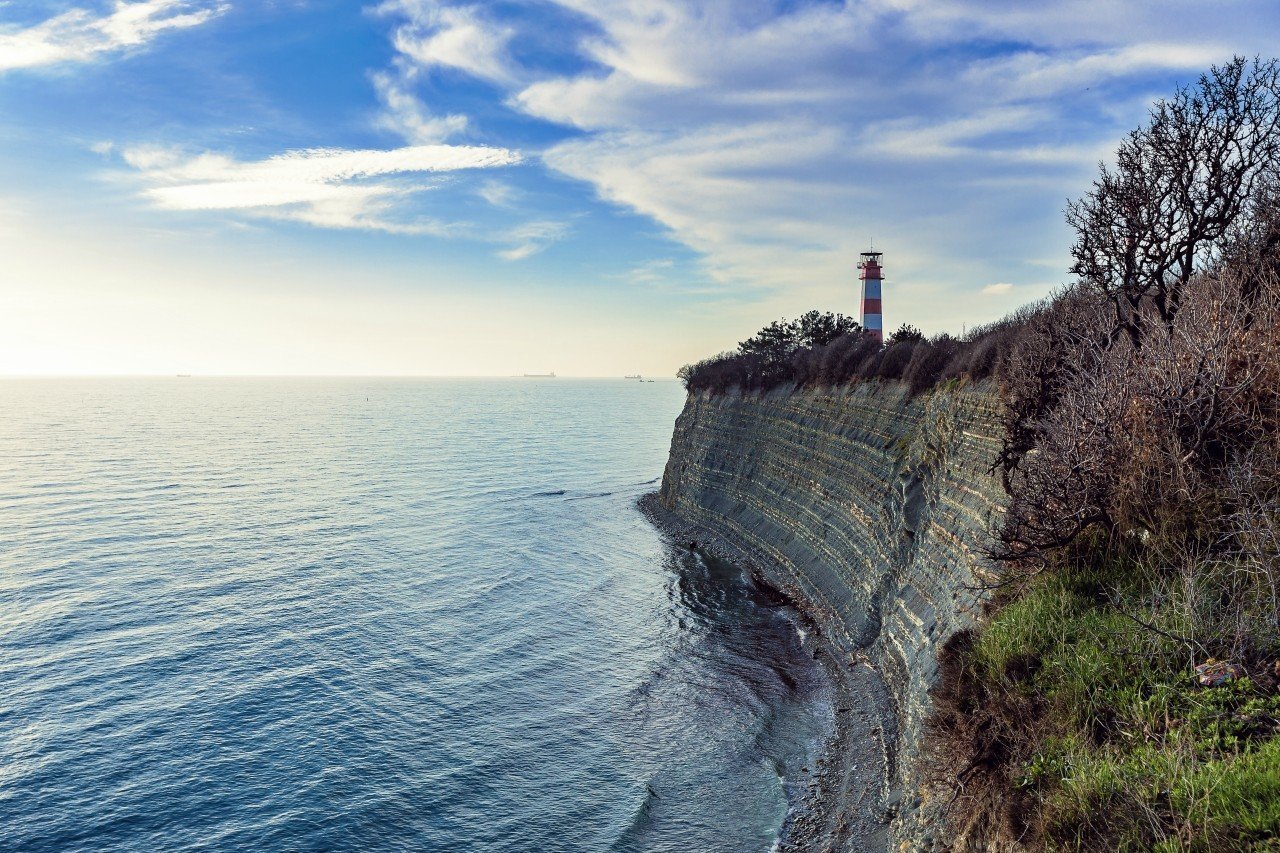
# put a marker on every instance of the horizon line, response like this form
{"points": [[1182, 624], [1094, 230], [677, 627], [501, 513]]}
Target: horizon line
{"points": [[321, 376]]}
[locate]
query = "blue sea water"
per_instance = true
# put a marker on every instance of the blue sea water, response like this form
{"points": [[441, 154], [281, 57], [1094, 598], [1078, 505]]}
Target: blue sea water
{"points": [[375, 614]]}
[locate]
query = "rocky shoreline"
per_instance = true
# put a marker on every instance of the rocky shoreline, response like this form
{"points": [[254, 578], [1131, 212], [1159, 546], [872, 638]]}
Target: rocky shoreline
{"points": [[847, 805]]}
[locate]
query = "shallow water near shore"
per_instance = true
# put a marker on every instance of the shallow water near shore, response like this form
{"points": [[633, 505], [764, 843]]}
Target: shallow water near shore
{"points": [[376, 614]]}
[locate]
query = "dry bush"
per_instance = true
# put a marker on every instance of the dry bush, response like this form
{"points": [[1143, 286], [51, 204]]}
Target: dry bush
{"points": [[976, 358], [928, 363], [1100, 432], [894, 360], [1142, 532], [831, 357], [976, 737], [772, 359], [1052, 457], [1254, 527]]}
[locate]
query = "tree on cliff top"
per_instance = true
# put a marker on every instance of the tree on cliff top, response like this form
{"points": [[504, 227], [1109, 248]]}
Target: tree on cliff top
{"points": [[905, 334], [781, 339], [1180, 183], [817, 329], [774, 343]]}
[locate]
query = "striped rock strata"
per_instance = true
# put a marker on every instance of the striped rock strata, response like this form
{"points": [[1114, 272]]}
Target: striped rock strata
{"points": [[869, 509]]}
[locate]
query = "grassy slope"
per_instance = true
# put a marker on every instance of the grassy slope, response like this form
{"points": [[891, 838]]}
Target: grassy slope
{"points": [[1105, 736]]}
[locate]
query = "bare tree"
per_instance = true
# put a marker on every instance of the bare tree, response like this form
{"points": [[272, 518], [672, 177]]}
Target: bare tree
{"points": [[1180, 183]]}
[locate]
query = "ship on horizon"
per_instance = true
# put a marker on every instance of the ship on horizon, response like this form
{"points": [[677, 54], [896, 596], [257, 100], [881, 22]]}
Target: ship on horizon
{"points": [[551, 375]]}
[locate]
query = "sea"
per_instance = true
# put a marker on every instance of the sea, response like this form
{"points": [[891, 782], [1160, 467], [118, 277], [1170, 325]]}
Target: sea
{"points": [[377, 614]]}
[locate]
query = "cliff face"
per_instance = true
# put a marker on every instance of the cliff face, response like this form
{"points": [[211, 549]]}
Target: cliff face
{"points": [[867, 507]]}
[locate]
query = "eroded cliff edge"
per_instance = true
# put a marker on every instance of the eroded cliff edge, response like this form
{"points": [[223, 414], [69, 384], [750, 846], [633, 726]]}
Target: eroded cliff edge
{"points": [[867, 507]]}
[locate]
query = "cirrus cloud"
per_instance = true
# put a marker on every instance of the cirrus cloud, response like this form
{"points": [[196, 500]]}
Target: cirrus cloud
{"points": [[79, 35], [774, 138], [532, 237], [326, 187], [439, 35]]}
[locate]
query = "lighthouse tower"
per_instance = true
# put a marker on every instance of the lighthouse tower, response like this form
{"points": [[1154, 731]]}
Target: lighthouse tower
{"points": [[872, 319]]}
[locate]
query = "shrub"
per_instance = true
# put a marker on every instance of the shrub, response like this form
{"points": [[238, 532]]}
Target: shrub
{"points": [[928, 363], [1142, 529], [830, 350], [894, 359]]}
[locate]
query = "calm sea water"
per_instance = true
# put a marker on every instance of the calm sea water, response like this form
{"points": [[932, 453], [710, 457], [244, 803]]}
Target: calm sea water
{"points": [[375, 615]]}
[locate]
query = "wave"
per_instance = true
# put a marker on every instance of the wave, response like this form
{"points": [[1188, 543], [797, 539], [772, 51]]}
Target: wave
{"points": [[641, 820]]}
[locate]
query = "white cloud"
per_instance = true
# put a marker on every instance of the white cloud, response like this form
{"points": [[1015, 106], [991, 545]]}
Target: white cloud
{"points": [[79, 35], [408, 117], [925, 138], [1039, 74], [435, 35], [531, 238], [997, 289], [1068, 24], [651, 272], [519, 253], [498, 193], [331, 188], [775, 137], [459, 37], [739, 195]]}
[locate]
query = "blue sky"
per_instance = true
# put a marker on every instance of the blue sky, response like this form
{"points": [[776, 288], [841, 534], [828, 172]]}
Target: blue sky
{"points": [[595, 187]]}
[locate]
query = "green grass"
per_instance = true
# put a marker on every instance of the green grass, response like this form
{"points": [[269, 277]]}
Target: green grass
{"points": [[1131, 752], [1162, 795]]}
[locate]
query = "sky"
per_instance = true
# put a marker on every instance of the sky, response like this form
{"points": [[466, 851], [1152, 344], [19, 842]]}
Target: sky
{"points": [[591, 187]]}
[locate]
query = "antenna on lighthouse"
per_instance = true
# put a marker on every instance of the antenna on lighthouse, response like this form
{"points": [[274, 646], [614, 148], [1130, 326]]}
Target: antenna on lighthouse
{"points": [[872, 319]]}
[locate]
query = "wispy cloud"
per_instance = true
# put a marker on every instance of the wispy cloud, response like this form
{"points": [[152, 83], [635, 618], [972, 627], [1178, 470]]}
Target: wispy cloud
{"points": [[774, 138], [651, 272], [1043, 73], [498, 193], [432, 35], [80, 35], [531, 238], [408, 117], [741, 196], [331, 188], [436, 34], [997, 289]]}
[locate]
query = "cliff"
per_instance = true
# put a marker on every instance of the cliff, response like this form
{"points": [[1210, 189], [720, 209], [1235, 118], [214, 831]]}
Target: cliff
{"points": [[869, 509]]}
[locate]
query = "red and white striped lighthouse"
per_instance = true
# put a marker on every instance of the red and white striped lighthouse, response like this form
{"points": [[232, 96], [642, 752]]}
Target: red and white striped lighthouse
{"points": [[872, 319]]}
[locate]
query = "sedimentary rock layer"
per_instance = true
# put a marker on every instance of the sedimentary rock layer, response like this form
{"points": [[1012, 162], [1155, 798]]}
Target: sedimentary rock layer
{"points": [[868, 507]]}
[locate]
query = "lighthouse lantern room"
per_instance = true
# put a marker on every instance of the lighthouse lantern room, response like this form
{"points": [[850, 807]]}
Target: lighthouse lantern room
{"points": [[872, 319]]}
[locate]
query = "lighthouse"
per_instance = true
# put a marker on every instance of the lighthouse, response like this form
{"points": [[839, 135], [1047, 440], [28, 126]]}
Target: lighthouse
{"points": [[872, 319]]}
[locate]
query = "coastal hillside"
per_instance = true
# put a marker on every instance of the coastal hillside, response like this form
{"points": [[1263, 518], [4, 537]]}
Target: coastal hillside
{"points": [[869, 508], [1056, 539]]}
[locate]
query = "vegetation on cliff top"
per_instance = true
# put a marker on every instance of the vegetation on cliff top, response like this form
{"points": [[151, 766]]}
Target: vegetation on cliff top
{"points": [[1142, 535], [789, 353]]}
